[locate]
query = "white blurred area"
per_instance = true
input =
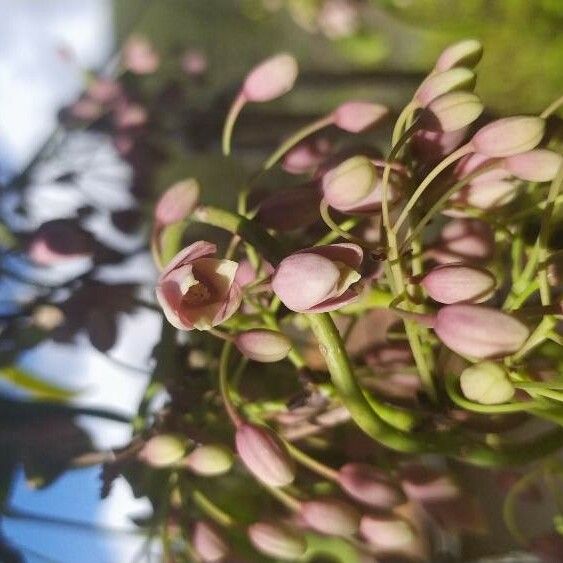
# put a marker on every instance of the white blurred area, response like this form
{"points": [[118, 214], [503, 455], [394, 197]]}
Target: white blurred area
{"points": [[44, 45]]}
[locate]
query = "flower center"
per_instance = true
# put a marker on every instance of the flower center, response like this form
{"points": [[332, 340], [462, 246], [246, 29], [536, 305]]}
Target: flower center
{"points": [[197, 294]]}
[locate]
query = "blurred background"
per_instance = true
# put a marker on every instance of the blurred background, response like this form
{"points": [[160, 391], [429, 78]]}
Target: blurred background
{"points": [[84, 156]]}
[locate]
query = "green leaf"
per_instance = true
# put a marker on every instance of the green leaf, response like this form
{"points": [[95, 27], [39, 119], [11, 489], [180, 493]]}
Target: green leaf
{"points": [[337, 549], [34, 385], [7, 239]]}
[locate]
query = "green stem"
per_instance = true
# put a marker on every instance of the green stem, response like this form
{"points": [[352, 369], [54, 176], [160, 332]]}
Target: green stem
{"points": [[312, 464], [543, 237], [211, 510], [297, 137], [234, 112], [325, 214], [436, 171], [442, 200], [247, 229], [552, 108], [331, 236], [235, 417], [460, 401]]}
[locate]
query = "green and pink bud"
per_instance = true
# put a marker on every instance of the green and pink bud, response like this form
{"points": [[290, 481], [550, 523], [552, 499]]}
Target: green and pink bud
{"points": [[509, 136], [441, 83], [209, 460], [198, 291], [277, 541], [451, 112], [319, 279], [163, 450], [486, 383], [463, 53], [354, 186], [264, 455], [262, 345]]}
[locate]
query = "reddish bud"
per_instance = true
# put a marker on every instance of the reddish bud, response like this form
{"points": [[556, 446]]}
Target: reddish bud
{"points": [[208, 542], [177, 202], [509, 136], [356, 116], [428, 145], [271, 79], [368, 485], [263, 345], [479, 332], [465, 239], [306, 156], [59, 241], [274, 540], [331, 516], [424, 484], [453, 283], [264, 455]]}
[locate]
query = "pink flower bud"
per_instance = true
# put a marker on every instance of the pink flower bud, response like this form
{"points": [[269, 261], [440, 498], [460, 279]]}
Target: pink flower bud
{"points": [[539, 165], [318, 279], [430, 146], [128, 116], [509, 136], [209, 460], [271, 79], [306, 156], [453, 283], [368, 485], [163, 450], [386, 532], [290, 209], [463, 53], [424, 484], [104, 90], [356, 116], [465, 239], [208, 542], [472, 162], [443, 82], [484, 195], [264, 455], [139, 55], [331, 516], [278, 541], [263, 345], [196, 291], [486, 383], [354, 186], [177, 202], [59, 241], [451, 111], [479, 332], [247, 274]]}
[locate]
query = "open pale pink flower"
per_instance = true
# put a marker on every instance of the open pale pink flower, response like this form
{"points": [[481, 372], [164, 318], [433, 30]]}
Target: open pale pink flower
{"points": [[318, 279], [198, 291]]}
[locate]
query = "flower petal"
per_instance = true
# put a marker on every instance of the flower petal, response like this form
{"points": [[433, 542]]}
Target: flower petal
{"points": [[194, 251]]}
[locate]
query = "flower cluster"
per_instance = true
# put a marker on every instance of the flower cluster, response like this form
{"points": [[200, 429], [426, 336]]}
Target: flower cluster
{"points": [[404, 296]]}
